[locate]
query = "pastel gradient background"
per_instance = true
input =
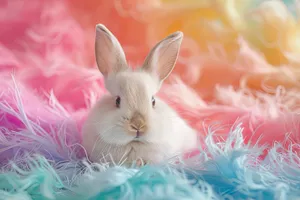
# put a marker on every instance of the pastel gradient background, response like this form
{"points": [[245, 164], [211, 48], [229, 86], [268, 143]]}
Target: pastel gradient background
{"points": [[236, 82]]}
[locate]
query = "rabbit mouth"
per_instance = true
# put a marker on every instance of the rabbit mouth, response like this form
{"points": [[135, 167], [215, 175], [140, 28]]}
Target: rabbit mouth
{"points": [[136, 134], [138, 137]]}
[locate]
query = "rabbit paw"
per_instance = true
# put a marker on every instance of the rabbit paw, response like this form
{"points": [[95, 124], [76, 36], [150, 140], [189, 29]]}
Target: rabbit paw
{"points": [[140, 162]]}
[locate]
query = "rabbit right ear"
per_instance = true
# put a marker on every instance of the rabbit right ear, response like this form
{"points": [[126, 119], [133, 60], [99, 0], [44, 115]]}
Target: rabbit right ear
{"points": [[162, 58], [109, 54]]}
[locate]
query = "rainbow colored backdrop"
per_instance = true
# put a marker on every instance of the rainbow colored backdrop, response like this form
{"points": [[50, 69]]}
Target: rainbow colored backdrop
{"points": [[251, 40], [236, 82]]}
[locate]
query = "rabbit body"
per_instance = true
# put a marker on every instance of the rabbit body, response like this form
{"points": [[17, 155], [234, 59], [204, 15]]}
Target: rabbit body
{"points": [[130, 122], [105, 130]]}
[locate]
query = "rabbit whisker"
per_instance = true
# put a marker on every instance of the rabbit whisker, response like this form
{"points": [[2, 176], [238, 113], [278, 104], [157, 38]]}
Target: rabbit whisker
{"points": [[99, 123], [99, 137]]}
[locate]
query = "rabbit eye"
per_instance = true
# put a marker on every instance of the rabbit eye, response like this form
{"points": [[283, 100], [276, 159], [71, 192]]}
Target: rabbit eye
{"points": [[153, 101], [118, 101]]}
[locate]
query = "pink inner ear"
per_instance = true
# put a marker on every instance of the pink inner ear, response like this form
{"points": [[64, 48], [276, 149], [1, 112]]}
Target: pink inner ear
{"points": [[162, 58], [109, 54]]}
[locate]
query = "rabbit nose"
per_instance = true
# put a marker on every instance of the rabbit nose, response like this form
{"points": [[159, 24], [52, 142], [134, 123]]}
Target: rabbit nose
{"points": [[139, 128], [138, 124]]}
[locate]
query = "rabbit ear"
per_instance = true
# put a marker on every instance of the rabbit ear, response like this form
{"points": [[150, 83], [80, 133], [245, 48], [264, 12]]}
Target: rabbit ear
{"points": [[162, 58], [109, 54]]}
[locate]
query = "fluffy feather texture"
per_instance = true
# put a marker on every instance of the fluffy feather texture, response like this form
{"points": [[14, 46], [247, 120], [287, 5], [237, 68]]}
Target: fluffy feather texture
{"points": [[250, 141]]}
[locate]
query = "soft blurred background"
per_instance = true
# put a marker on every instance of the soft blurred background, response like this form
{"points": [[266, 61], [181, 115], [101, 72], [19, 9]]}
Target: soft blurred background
{"points": [[243, 54], [242, 43]]}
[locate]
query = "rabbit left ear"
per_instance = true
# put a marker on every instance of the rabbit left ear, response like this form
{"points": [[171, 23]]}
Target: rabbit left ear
{"points": [[162, 58], [109, 54]]}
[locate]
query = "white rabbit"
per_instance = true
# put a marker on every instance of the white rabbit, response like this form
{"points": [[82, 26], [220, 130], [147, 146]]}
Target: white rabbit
{"points": [[131, 123]]}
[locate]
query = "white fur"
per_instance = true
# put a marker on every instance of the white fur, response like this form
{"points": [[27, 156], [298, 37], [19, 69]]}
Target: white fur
{"points": [[105, 132]]}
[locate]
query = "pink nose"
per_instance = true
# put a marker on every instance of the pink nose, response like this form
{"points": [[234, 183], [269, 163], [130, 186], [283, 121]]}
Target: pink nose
{"points": [[138, 124]]}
